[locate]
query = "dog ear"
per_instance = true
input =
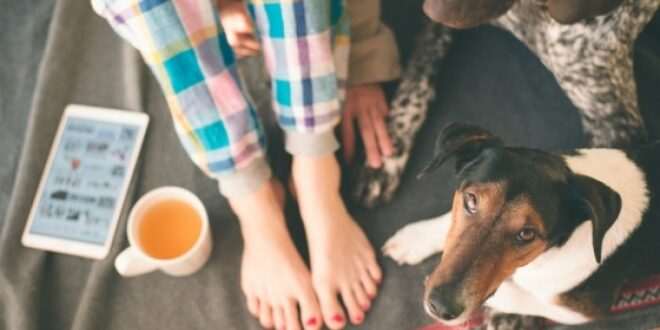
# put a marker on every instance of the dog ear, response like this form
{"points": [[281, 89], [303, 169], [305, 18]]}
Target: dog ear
{"points": [[598, 203], [462, 141], [572, 11]]}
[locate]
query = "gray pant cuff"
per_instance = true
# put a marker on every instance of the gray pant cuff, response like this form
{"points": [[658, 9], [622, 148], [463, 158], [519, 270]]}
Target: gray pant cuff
{"points": [[311, 144], [245, 180]]}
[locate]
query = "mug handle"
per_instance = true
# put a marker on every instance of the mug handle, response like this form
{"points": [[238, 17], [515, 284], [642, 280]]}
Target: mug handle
{"points": [[129, 263]]}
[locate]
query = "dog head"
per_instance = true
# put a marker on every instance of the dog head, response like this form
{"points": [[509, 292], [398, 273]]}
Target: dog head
{"points": [[510, 205], [469, 13]]}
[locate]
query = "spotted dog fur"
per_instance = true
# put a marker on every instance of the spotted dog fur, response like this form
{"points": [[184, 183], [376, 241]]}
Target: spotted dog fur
{"points": [[591, 60], [501, 321], [407, 113]]}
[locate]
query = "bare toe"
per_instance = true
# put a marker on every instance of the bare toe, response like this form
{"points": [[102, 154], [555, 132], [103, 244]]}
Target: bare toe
{"points": [[266, 315], [310, 312], [253, 305], [354, 310], [374, 270], [369, 285], [290, 311], [361, 296], [332, 313], [278, 318]]}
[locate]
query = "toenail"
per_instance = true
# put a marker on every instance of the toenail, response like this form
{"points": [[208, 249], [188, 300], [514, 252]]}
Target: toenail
{"points": [[311, 322], [338, 318], [359, 318], [365, 307]]}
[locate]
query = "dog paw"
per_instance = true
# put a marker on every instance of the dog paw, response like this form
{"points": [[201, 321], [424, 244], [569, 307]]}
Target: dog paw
{"points": [[418, 241], [503, 321], [377, 185]]}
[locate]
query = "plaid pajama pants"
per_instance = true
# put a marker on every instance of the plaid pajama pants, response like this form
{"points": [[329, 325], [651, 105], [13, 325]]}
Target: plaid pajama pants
{"points": [[305, 45]]}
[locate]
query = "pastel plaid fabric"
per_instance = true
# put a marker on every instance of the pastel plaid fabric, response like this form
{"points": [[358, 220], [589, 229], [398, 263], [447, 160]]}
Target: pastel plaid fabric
{"points": [[306, 48], [305, 44]]}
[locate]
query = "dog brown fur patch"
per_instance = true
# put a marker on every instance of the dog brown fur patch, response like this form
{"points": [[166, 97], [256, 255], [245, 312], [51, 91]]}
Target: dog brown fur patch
{"points": [[591, 303], [480, 252], [518, 213]]}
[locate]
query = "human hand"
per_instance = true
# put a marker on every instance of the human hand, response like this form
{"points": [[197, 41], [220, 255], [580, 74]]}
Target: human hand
{"points": [[238, 27], [366, 104]]}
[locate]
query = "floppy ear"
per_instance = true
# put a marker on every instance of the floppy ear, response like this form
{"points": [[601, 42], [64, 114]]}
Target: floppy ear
{"points": [[463, 141], [598, 203], [572, 11]]}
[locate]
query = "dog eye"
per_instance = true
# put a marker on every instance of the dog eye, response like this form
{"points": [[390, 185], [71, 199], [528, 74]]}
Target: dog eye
{"points": [[470, 203], [526, 235]]}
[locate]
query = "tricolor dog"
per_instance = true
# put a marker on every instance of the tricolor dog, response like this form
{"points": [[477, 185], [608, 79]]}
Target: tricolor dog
{"points": [[536, 233]]}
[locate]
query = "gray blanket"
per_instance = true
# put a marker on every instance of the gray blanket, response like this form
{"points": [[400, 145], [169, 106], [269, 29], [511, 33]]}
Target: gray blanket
{"points": [[489, 79], [24, 24]]}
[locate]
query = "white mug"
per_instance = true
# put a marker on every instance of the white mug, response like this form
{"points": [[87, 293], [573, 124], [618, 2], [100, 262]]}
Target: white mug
{"points": [[135, 261]]}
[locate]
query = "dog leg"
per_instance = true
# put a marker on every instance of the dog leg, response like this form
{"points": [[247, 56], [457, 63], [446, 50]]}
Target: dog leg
{"points": [[495, 320], [592, 62], [603, 88], [418, 241], [407, 113]]}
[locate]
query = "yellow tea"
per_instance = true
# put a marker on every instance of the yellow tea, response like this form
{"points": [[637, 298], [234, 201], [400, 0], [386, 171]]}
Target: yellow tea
{"points": [[168, 229]]}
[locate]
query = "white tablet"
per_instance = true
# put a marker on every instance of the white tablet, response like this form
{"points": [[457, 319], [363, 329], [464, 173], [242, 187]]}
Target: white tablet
{"points": [[84, 183]]}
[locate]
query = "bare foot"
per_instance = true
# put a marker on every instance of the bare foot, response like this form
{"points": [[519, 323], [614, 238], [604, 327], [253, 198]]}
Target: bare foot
{"points": [[274, 278], [342, 260]]}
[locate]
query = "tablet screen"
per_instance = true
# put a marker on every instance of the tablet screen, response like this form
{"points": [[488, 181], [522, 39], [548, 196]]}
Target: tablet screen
{"points": [[85, 180]]}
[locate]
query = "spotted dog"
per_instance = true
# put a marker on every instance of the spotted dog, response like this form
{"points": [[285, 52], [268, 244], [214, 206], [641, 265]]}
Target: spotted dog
{"points": [[586, 44], [535, 233]]}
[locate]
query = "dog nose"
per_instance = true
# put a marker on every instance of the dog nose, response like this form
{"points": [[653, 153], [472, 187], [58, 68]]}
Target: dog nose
{"points": [[442, 304]]}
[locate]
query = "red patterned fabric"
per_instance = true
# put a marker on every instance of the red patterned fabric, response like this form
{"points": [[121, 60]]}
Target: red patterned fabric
{"points": [[633, 296]]}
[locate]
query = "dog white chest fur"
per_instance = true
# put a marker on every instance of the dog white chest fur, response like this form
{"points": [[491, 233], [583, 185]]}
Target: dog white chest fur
{"points": [[534, 288]]}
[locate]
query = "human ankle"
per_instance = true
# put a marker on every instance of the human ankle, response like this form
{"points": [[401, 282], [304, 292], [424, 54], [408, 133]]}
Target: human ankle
{"points": [[267, 193], [320, 174], [263, 205]]}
